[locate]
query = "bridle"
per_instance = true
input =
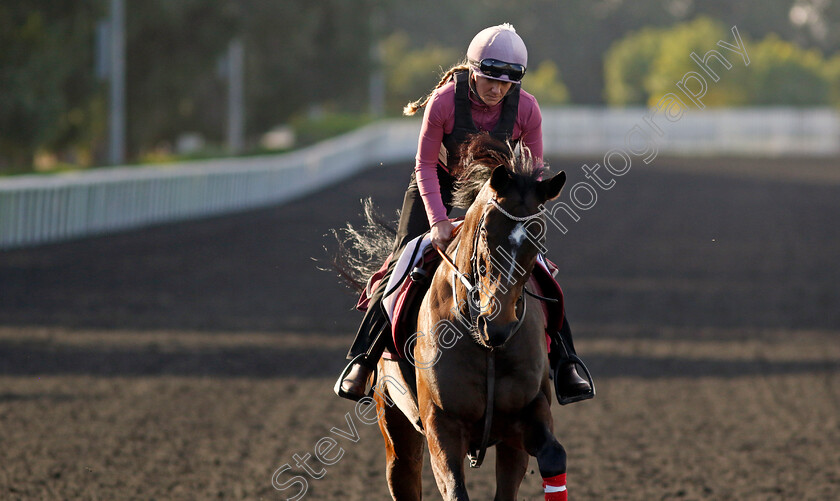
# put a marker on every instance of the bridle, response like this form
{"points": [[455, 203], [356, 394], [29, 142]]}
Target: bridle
{"points": [[501, 209], [471, 282]]}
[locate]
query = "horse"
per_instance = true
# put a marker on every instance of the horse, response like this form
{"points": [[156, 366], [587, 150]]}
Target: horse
{"points": [[480, 374]]}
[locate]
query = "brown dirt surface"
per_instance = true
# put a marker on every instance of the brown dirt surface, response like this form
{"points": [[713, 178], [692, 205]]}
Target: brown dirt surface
{"points": [[192, 360]]}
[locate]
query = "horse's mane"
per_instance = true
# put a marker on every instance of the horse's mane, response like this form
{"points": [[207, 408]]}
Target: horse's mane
{"points": [[479, 156]]}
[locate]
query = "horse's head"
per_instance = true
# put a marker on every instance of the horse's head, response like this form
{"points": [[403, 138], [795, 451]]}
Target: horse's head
{"points": [[503, 232]]}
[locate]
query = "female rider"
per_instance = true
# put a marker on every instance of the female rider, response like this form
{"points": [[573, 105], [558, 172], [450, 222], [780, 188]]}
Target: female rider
{"points": [[481, 94]]}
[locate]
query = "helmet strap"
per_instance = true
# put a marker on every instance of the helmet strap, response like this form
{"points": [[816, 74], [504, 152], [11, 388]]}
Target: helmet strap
{"points": [[473, 89]]}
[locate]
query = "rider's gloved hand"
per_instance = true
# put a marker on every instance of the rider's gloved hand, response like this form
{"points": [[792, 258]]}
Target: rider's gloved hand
{"points": [[441, 233]]}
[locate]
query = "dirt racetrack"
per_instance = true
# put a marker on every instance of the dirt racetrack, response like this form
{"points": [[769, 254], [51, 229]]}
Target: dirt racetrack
{"points": [[191, 361]]}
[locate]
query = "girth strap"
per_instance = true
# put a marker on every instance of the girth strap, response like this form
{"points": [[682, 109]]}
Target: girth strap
{"points": [[477, 456]]}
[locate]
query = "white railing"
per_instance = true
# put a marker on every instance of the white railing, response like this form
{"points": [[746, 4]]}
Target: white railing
{"points": [[736, 131], [40, 209]]}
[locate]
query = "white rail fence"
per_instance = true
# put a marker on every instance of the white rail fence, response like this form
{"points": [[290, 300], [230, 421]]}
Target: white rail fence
{"points": [[41, 209], [740, 131]]}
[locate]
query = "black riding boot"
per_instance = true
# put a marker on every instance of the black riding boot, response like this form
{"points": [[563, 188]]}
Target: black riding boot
{"points": [[568, 383], [365, 353]]}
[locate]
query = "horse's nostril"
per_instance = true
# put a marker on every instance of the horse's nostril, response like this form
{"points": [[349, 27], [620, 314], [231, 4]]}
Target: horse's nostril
{"points": [[493, 334]]}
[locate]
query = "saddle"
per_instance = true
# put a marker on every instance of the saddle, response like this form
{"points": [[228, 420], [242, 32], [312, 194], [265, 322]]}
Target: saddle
{"points": [[412, 277]]}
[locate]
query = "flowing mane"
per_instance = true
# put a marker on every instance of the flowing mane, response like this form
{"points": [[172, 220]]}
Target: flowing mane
{"points": [[480, 155]]}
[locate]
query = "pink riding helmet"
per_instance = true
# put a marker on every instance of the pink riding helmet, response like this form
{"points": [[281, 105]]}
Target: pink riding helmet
{"points": [[496, 46]]}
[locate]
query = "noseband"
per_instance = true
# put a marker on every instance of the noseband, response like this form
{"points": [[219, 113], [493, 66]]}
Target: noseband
{"points": [[520, 219]]}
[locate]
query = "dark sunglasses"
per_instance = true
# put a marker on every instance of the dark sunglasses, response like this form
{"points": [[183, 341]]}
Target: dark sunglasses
{"points": [[495, 68]]}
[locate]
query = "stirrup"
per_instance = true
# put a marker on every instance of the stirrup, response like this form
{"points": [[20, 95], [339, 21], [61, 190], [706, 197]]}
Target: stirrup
{"points": [[358, 359], [570, 399]]}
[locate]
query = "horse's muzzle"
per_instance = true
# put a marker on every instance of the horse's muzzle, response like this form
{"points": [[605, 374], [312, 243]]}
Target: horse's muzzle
{"points": [[493, 334]]}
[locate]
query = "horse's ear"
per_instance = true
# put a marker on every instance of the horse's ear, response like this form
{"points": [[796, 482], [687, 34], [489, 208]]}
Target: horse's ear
{"points": [[550, 188], [499, 179]]}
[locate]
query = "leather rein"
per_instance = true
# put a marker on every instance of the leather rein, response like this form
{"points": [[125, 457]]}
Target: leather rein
{"points": [[477, 456]]}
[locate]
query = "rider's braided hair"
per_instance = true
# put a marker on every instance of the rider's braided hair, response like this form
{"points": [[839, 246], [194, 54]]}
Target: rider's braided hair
{"points": [[412, 107]]}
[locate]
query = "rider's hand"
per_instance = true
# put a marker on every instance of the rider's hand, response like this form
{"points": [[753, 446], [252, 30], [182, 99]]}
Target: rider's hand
{"points": [[441, 233]]}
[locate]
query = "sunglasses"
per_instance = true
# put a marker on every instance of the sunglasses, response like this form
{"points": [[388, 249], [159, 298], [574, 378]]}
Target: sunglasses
{"points": [[495, 68]]}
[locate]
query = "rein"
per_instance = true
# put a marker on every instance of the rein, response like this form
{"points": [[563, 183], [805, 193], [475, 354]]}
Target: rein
{"points": [[446, 259], [477, 456]]}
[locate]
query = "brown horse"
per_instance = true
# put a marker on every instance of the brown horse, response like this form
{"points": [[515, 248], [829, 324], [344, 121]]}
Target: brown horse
{"points": [[481, 372]]}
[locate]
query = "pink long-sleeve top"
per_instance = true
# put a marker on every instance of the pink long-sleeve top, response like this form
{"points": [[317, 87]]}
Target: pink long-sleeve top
{"points": [[439, 119]]}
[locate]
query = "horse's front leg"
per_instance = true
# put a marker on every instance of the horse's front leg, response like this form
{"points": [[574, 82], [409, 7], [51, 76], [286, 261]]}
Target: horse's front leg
{"points": [[448, 445], [511, 466], [539, 441]]}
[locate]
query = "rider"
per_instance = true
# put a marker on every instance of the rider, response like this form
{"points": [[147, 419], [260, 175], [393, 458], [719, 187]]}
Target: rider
{"points": [[481, 94]]}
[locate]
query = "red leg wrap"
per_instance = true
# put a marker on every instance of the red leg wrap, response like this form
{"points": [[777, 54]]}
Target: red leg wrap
{"points": [[555, 488]]}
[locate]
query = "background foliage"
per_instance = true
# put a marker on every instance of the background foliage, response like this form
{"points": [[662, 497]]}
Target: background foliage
{"points": [[309, 63], [644, 65]]}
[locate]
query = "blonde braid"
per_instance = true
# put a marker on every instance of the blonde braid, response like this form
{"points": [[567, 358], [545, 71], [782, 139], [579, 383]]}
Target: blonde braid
{"points": [[412, 107]]}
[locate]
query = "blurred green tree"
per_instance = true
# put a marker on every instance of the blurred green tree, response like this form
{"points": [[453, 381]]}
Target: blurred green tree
{"points": [[645, 65], [673, 61], [412, 73], [303, 55], [48, 98], [627, 64], [297, 54], [782, 73], [545, 84], [833, 71], [172, 55]]}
